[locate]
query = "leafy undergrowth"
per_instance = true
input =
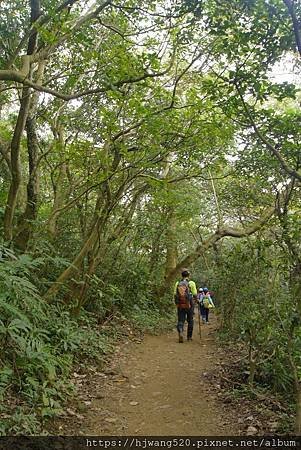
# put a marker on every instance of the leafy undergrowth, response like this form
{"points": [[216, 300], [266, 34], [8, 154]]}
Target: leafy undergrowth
{"points": [[261, 411], [43, 343], [37, 383], [30, 400]]}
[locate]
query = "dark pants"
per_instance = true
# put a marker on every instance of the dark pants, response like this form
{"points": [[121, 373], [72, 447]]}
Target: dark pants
{"points": [[185, 314], [204, 313]]}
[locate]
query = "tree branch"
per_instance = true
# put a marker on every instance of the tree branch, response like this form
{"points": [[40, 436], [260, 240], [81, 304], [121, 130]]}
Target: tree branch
{"points": [[220, 233], [4, 150], [296, 24], [292, 172], [18, 76], [94, 10], [41, 20]]}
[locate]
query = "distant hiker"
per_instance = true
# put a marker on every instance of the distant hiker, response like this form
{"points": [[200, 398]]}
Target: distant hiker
{"points": [[206, 303], [202, 310], [185, 295], [200, 294]]}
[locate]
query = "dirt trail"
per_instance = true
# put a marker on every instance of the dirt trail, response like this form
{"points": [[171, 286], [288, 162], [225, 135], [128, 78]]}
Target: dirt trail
{"points": [[158, 387]]}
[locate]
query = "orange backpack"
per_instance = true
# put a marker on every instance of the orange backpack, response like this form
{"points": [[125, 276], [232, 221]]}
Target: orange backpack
{"points": [[183, 295]]}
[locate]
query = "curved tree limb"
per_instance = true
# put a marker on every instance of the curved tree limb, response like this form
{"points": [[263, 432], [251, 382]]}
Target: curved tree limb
{"points": [[18, 76], [220, 233], [41, 20], [296, 23], [274, 150]]}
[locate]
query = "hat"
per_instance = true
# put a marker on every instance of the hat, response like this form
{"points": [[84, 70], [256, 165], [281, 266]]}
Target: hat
{"points": [[201, 289], [205, 289]]}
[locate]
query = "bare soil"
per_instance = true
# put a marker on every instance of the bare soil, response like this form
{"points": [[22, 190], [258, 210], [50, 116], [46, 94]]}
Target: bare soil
{"points": [[154, 386]]}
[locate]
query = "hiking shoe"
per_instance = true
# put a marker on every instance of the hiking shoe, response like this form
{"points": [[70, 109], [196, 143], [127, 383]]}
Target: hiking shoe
{"points": [[181, 339]]}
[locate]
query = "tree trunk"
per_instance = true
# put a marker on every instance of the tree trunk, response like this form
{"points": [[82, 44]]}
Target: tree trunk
{"points": [[252, 368], [25, 224], [35, 12], [60, 189], [171, 246], [101, 247], [30, 214], [101, 218], [211, 240], [15, 166], [185, 262], [75, 265]]}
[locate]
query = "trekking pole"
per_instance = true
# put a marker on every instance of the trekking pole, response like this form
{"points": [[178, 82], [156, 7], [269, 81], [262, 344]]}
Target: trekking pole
{"points": [[200, 332]]}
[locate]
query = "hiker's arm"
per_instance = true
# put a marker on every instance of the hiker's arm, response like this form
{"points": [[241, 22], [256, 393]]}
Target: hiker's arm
{"points": [[194, 291]]}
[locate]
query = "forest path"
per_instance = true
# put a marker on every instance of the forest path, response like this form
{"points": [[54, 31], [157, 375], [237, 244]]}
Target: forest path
{"points": [[158, 387]]}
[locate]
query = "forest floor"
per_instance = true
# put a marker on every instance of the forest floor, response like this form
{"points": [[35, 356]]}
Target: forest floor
{"points": [[156, 386]]}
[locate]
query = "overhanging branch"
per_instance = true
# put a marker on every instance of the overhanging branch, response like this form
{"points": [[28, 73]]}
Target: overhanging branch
{"points": [[296, 23], [219, 234], [289, 170], [18, 77]]}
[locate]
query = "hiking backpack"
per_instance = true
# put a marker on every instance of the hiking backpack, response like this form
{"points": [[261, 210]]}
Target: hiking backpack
{"points": [[206, 302], [183, 295]]}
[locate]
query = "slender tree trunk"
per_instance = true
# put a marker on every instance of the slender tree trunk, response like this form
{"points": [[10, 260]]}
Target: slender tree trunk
{"points": [[101, 246], [60, 189], [94, 261], [15, 165], [101, 218], [252, 368], [76, 264], [59, 200], [253, 356], [18, 132], [171, 245], [25, 224], [30, 214]]}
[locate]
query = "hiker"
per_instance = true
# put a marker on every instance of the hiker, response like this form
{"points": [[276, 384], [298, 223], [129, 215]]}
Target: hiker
{"points": [[202, 309], [185, 296], [206, 303]]}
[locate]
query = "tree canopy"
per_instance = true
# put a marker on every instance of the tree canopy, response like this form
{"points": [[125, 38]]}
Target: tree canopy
{"points": [[138, 138]]}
